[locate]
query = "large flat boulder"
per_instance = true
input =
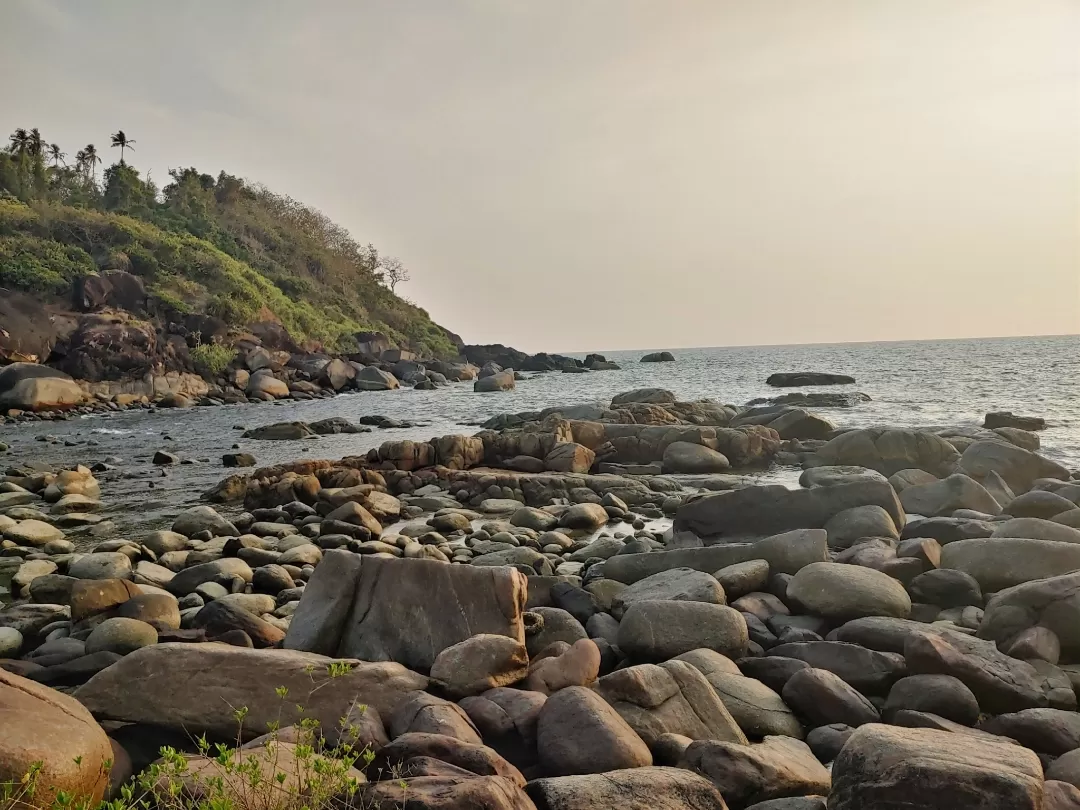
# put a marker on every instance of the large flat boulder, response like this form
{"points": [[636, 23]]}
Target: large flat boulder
{"points": [[766, 510], [1018, 467], [889, 768], [650, 788], [407, 611], [786, 553], [30, 387], [197, 688], [40, 725], [1002, 562], [888, 450]]}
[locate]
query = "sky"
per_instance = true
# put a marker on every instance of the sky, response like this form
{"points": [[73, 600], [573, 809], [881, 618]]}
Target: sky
{"points": [[565, 175]]}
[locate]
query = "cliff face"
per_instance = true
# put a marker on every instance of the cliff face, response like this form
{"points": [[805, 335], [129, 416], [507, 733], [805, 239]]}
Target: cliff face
{"points": [[110, 282]]}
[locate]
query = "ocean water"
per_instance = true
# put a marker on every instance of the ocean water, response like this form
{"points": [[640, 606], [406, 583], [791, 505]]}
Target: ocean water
{"points": [[912, 384]]}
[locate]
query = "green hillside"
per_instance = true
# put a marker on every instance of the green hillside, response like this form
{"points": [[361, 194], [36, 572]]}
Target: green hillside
{"points": [[217, 246]]}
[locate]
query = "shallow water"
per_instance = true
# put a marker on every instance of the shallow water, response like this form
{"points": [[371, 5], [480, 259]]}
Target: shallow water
{"points": [[915, 383]]}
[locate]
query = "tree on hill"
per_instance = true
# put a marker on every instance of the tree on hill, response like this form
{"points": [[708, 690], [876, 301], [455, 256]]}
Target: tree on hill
{"points": [[123, 141], [393, 272]]}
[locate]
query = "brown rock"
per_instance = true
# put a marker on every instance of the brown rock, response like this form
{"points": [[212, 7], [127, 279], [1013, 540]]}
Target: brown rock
{"points": [[480, 663], [745, 774], [578, 732]]}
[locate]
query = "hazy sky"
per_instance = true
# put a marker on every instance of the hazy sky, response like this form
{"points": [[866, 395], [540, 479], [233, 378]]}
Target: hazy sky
{"points": [[602, 174]]}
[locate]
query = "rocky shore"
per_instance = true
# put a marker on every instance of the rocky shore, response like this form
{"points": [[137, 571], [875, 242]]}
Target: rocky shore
{"points": [[581, 607]]}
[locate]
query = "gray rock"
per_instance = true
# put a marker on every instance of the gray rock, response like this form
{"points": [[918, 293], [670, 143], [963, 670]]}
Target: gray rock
{"points": [[121, 635], [743, 578], [1037, 529], [823, 698], [764, 510], [189, 579], [942, 695], [758, 710], [203, 518], [686, 457], [1002, 562], [650, 788], [889, 450], [942, 498], [657, 631], [847, 527], [577, 731], [888, 767], [676, 584], [842, 592], [102, 565], [1018, 467], [869, 671]]}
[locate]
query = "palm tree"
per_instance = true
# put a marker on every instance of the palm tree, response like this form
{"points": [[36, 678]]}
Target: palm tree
{"points": [[90, 159], [20, 141], [56, 155], [122, 140], [37, 145]]}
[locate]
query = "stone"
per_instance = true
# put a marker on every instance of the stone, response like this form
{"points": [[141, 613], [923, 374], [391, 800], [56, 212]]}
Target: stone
{"points": [[578, 732], [841, 592], [373, 378], [910, 478], [11, 641], [161, 542], [785, 553], [1060, 796], [569, 457], [556, 625], [1018, 467], [870, 671], [942, 498], [1002, 562], [823, 698], [766, 510], [159, 610], [685, 457], [1046, 731], [891, 768], [1039, 504], [452, 603], [942, 695], [1066, 768], [676, 584], [999, 683], [946, 588], [121, 636], [651, 396], [758, 710], [585, 516], [32, 387], [102, 565], [44, 726], [535, 519], [1052, 604], [203, 518], [499, 381], [421, 712], [577, 666], [649, 788], [35, 533], [220, 617], [672, 698], [742, 578], [187, 580], [776, 768], [445, 788], [479, 663], [1037, 529], [88, 597], [195, 688], [478, 759], [888, 451], [846, 527], [657, 631]]}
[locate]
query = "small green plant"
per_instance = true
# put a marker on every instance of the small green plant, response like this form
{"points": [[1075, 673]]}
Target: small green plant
{"points": [[212, 358], [285, 769]]}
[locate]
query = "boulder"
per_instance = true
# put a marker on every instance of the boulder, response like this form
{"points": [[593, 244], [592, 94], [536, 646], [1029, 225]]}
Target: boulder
{"points": [[46, 727], [577, 666], [651, 396], [1002, 562], [658, 357], [889, 450], [1039, 504], [281, 431], [764, 510], [657, 631], [585, 516], [1052, 604], [684, 457], [776, 768], [887, 767], [1048, 731], [999, 683], [648, 788], [337, 374], [479, 663], [196, 688], [1036, 528], [30, 387], [203, 518], [798, 379], [569, 457], [842, 592], [442, 787], [356, 612], [942, 498], [121, 636], [499, 381], [265, 383], [373, 378], [946, 588], [851, 525], [672, 698], [785, 553], [869, 671], [35, 533], [823, 698], [424, 713], [942, 695], [577, 732], [758, 710], [1018, 467], [676, 584]]}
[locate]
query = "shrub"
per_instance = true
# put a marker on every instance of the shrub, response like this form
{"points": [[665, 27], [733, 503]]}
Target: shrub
{"points": [[212, 358]]}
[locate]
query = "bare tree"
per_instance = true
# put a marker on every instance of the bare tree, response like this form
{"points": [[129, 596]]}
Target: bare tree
{"points": [[393, 271]]}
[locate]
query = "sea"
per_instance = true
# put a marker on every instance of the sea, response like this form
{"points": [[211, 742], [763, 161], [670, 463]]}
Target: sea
{"points": [[910, 384]]}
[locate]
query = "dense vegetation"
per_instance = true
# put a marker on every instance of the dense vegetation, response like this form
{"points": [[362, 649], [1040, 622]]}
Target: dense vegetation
{"points": [[214, 246]]}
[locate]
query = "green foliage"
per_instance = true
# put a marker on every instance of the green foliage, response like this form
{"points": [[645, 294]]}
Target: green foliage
{"points": [[209, 245], [212, 357], [296, 775]]}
